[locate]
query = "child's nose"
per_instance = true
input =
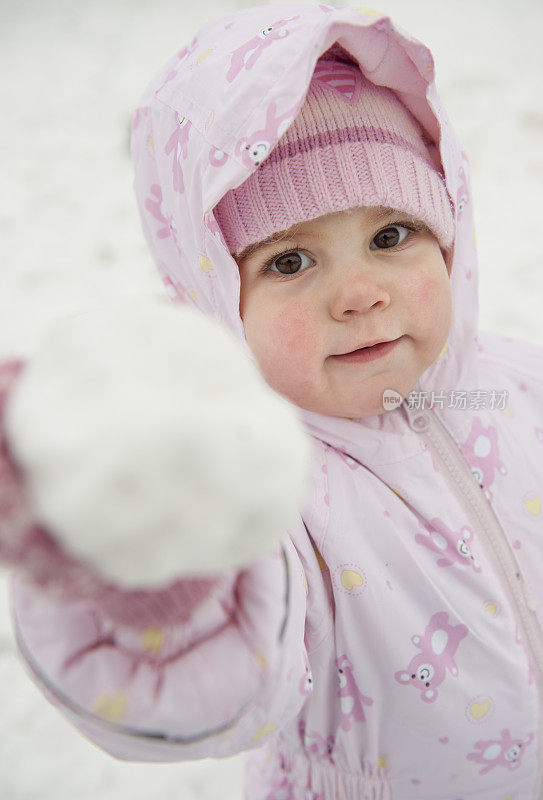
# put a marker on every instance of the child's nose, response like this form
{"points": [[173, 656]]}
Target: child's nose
{"points": [[357, 290]]}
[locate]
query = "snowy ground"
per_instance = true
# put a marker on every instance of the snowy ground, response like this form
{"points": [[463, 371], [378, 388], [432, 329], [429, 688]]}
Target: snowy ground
{"points": [[72, 71]]}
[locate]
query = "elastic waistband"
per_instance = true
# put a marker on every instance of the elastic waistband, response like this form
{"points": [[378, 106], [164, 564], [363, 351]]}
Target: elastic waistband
{"points": [[321, 780]]}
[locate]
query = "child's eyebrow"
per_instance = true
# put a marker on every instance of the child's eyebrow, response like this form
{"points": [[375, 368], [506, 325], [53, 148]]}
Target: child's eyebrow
{"points": [[375, 216], [252, 248]]}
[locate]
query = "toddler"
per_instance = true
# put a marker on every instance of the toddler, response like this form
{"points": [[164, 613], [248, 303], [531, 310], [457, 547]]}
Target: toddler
{"points": [[299, 182]]}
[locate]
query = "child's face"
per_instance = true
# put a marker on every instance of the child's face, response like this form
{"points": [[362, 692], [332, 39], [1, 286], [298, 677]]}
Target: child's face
{"points": [[352, 278]]}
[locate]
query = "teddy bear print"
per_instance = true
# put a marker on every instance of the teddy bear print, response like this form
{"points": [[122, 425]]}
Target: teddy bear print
{"points": [[283, 789], [504, 752], [481, 452], [452, 547], [324, 748], [306, 681], [178, 144], [182, 55], [176, 291], [427, 670], [217, 158], [352, 699], [316, 744], [254, 152], [154, 207], [255, 47], [213, 227]]}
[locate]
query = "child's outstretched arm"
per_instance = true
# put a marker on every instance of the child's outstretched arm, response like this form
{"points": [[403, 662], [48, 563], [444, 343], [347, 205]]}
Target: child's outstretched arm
{"points": [[203, 653]]}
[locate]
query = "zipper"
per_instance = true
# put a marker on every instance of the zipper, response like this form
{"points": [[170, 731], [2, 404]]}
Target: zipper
{"points": [[492, 535]]}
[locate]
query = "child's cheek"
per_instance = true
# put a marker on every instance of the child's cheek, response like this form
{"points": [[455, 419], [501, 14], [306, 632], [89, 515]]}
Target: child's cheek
{"points": [[297, 332], [287, 350], [431, 307], [430, 292]]}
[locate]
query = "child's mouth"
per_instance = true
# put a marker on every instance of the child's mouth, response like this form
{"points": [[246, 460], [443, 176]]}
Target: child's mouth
{"points": [[367, 353]]}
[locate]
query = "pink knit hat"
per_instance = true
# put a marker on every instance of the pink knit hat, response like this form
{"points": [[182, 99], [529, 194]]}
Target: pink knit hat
{"points": [[352, 144]]}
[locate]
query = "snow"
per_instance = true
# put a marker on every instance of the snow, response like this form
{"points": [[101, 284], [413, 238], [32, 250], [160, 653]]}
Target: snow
{"points": [[71, 238], [179, 471]]}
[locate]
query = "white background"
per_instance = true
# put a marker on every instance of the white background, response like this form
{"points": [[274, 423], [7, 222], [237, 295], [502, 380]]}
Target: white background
{"points": [[70, 236]]}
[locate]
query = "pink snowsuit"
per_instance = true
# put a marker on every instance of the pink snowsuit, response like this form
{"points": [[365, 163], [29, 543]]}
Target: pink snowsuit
{"points": [[391, 648]]}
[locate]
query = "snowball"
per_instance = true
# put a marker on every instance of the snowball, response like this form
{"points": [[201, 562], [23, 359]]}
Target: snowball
{"points": [[151, 445]]}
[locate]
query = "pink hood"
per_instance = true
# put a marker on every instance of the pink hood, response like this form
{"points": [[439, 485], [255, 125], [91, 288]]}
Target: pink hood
{"points": [[392, 648], [210, 116]]}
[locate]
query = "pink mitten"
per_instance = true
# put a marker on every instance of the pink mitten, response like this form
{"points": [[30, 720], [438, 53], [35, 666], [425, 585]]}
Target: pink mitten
{"points": [[29, 547], [143, 459]]}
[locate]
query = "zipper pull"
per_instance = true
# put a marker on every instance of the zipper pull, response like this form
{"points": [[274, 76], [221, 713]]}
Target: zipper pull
{"points": [[418, 418]]}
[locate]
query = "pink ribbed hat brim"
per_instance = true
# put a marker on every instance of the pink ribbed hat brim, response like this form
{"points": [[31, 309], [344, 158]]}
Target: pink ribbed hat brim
{"points": [[362, 172], [353, 143]]}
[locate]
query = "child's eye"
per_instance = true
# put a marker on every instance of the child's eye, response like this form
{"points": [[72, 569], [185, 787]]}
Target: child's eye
{"points": [[390, 237], [291, 262], [285, 264]]}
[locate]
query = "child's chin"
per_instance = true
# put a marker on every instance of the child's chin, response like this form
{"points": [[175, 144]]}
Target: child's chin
{"points": [[357, 413], [375, 402], [388, 401]]}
